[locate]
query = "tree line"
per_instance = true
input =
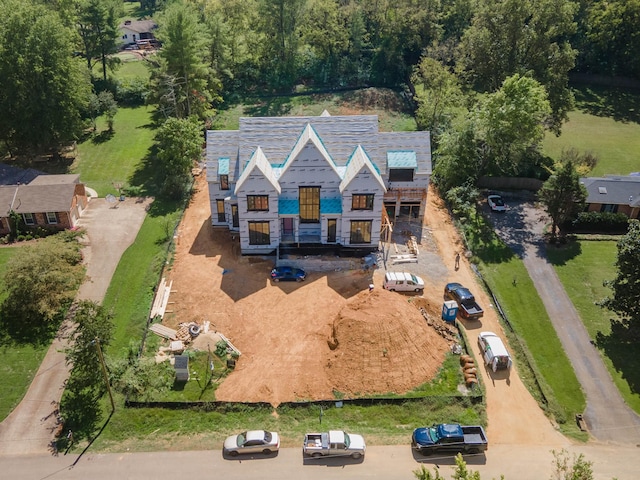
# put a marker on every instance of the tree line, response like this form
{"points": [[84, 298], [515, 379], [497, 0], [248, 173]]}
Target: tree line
{"points": [[215, 49]]}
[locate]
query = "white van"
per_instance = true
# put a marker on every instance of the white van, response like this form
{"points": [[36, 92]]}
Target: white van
{"points": [[402, 282], [494, 352]]}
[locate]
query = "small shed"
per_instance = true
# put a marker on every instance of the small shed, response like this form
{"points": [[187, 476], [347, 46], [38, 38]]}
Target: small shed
{"points": [[181, 366]]}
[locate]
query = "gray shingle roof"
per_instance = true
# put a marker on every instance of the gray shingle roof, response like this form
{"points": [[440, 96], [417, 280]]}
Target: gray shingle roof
{"points": [[613, 190]]}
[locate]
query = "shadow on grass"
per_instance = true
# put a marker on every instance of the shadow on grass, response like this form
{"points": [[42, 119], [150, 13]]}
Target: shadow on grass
{"points": [[102, 137], [560, 254], [621, 346], [618, 103], [269, 107]]}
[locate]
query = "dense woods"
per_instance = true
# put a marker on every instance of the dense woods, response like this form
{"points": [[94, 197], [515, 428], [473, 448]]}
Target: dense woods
{"points": [[217, 50]]}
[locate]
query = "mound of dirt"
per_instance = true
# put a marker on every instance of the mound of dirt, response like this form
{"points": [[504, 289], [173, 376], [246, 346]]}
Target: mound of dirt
{"points": [[381, 343]]}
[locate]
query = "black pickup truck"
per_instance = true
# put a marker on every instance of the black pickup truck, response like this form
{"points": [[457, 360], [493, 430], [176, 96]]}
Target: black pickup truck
{"points": [[467, 305], [449, 438]]}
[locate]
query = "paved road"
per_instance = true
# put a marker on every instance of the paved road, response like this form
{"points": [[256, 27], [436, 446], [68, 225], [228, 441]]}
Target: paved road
{"points": [[388, 463], [31, 427], [607, 416]]}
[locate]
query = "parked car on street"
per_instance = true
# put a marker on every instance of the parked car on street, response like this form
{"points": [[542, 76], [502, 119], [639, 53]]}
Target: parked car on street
{"points": [[252, 441], [449, 438], [288, 274], [333, 443], [496, 203]]}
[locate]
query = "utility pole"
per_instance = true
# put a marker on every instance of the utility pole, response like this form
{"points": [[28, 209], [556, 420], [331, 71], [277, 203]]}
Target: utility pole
{"points": [[106, 376]]}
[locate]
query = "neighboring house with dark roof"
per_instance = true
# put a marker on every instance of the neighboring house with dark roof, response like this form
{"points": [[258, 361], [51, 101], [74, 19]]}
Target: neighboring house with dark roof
{"points": [[52, 202], [134, 31], [613, 193], [315, 181]]}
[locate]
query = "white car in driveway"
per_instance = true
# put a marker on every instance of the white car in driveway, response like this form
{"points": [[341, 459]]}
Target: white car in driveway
{"points": [[496, 203], [252, 441]]}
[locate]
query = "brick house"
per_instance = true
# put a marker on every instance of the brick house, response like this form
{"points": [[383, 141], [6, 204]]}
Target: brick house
{"points": [[324, 181], [49, 201], [613, 193]]}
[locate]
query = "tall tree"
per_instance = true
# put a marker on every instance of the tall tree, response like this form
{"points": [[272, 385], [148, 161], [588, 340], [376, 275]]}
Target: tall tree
{"points": [[41, 283], [98, 28], [43, 88], [528, 37], [614, 37], [563, 196], [280, 22], [87, 383], [437, 94], [183, 83], [625, 300], [179, 145]]}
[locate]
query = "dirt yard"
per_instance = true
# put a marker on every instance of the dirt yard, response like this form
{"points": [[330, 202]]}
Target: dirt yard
{"points": [[330, 334]]}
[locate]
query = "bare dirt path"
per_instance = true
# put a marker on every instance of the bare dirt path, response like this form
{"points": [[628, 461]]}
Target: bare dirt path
{"points": [[31, 427], [514, 415], [607, 415]]}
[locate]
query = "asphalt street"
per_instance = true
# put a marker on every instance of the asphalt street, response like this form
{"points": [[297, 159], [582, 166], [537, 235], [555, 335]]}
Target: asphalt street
{"points": [[515, 462]]}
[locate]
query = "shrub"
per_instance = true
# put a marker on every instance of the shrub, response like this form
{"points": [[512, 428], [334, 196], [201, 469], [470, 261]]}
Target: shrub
{"points": [[132, 92], [599, 222]]}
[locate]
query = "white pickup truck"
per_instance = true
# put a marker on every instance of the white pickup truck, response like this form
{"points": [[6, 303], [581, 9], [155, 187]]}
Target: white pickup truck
{"points": [[333, 442]]}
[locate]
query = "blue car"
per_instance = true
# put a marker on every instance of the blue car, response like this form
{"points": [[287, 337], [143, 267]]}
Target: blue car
{"points": [[288, 274]]}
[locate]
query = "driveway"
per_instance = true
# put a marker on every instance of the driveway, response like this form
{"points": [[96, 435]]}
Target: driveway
{"points": [[111, 228], [607, 416]]}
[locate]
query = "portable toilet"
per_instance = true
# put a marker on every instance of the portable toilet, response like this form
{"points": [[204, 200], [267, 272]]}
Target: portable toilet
{"points": [[450, 311]]}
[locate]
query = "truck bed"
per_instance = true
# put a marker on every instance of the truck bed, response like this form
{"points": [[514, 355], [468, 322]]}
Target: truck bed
{"points": [[474, 435]]}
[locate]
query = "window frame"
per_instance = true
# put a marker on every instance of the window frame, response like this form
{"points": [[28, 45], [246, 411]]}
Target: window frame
{"points": [[257, 203], [220, 210], [31, 218], [362, 201], [309, 204], [356, 238], [224, 182], [55, 218], [401, 174], [259, 237]]}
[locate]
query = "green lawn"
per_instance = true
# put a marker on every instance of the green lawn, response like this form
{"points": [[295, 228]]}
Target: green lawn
{"points": [[106, 159], [542, 363], [616, 143], [393, 113], [19, 362], [582, 267]]}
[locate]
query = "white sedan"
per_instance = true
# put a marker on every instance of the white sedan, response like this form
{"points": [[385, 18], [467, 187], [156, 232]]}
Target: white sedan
{"points": [[496, 204], [252, 441]]}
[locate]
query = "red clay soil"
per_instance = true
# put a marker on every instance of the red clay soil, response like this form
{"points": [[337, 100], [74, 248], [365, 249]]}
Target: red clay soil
{"points": [[299, 341]]}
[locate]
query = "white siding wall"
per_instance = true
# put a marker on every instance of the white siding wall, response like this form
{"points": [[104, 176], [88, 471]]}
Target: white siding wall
{"points": [[363, 183], [256, 184]]}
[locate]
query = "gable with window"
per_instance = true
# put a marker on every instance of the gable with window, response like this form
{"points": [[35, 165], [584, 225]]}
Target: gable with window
{"points": [[362, 201], [402, 165], [258, 203], [309, 199]]}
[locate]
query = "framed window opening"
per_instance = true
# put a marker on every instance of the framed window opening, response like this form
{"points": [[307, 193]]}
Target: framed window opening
{"points": [[309, 200], [52, 218], [235, 217], [360, 231], [259, 233], [401, 175], [220, 208], [362, 201], [28, 219], [224, 182], [258, 203]]}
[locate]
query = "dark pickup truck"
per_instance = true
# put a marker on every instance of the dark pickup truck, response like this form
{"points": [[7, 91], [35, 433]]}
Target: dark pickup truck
{"points": [[468, 307], [449, 438]]}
